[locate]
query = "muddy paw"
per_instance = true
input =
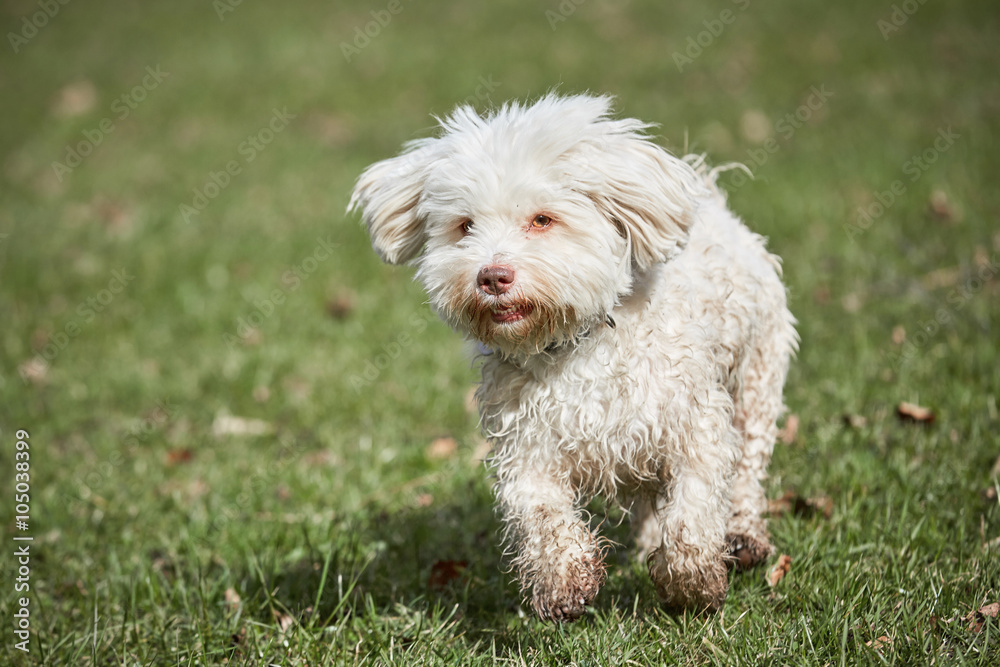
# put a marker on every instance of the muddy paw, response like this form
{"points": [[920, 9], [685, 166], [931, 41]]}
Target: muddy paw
{"points": [[565, 600], [698, 589], [744, 551]]}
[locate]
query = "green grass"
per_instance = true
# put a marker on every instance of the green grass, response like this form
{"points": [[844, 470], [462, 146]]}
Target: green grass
{"points": [[158, 541]]}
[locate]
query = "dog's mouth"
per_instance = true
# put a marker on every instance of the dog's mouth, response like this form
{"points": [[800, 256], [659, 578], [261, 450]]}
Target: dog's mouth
{"points": [[511, 313]]}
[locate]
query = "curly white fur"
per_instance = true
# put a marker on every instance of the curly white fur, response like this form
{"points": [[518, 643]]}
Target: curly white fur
{"points": [[636, 332]]}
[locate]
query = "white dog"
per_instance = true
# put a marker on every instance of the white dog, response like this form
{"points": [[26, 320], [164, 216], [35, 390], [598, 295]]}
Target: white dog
{"points": [[635, 337]]}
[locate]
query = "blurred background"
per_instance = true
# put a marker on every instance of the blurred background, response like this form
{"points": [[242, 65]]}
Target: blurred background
{"points": [[234, 407]]}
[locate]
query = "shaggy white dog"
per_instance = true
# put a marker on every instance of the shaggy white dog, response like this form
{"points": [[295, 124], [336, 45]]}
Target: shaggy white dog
{"points": [[634, 332]]}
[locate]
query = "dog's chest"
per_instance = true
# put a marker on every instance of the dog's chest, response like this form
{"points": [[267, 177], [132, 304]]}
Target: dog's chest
{"points": [[597, 413]]}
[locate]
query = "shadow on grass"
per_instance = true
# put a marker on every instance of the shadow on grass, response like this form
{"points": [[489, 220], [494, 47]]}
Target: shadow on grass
{"points": [[404, 575]]}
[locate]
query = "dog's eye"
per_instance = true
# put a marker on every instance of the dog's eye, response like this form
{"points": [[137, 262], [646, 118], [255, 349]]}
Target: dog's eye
{"points": [[466, 226], [541, 221]]}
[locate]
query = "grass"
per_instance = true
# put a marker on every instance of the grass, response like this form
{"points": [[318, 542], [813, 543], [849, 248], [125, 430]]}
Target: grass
{"points": [[333, 531]]}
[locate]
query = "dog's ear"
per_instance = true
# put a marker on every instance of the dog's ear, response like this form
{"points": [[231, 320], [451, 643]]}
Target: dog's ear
{"points": [[650, 195], [387, 194]]}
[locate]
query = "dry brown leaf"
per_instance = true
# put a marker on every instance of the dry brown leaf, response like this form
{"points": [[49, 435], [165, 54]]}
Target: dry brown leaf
{"points": [[470, 401], [852, 302], [915, 413], [75, 99], [232, 599], [792, 503], [755, 126], [179, 455], [35, 370], [442, 448], [940, 207], [855, 421], [879, 642], [284, 621], [780, 569], [978, 617], [790, 430], [342, 305], [947, 277], [443, 572], [480, 453]]}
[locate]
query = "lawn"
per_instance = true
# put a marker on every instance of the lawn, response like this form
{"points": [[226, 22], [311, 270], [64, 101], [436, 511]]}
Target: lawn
{"points": [[251, 443]]}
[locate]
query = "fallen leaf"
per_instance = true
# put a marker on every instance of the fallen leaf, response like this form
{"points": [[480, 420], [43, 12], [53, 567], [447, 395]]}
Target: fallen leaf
{"points": [[978, 617], [35, 370], [342, 305], [480, 453], [179, 455], [940, 207], [443, 572], [470, 401], [821, 295], [792, 503], [75, 99], [229, 425], [780, 569], [442, 448], [879, 643], [790, 430], [981, 257], [755, 126], [852, 302], [232, 599], [855, 421], [946, 277], [915, 413], [284, 621]]}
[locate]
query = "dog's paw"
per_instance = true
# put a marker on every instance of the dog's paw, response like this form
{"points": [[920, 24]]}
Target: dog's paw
{"points": [[743, 551], [565, 600], [702, 588]]}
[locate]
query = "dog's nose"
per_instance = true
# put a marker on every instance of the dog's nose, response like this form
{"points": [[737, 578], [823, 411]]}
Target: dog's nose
{"points": [[495, 279]]}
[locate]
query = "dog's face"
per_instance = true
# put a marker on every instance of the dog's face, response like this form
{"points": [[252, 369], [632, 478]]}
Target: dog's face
{"points": [[527, 226]]}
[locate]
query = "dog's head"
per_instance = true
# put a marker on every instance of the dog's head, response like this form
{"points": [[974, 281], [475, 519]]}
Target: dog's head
{"points": [[528, 225]]}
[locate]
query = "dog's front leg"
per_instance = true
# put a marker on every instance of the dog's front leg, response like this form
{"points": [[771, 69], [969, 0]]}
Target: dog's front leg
{"points": [[556, 555], [689, 565]]}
